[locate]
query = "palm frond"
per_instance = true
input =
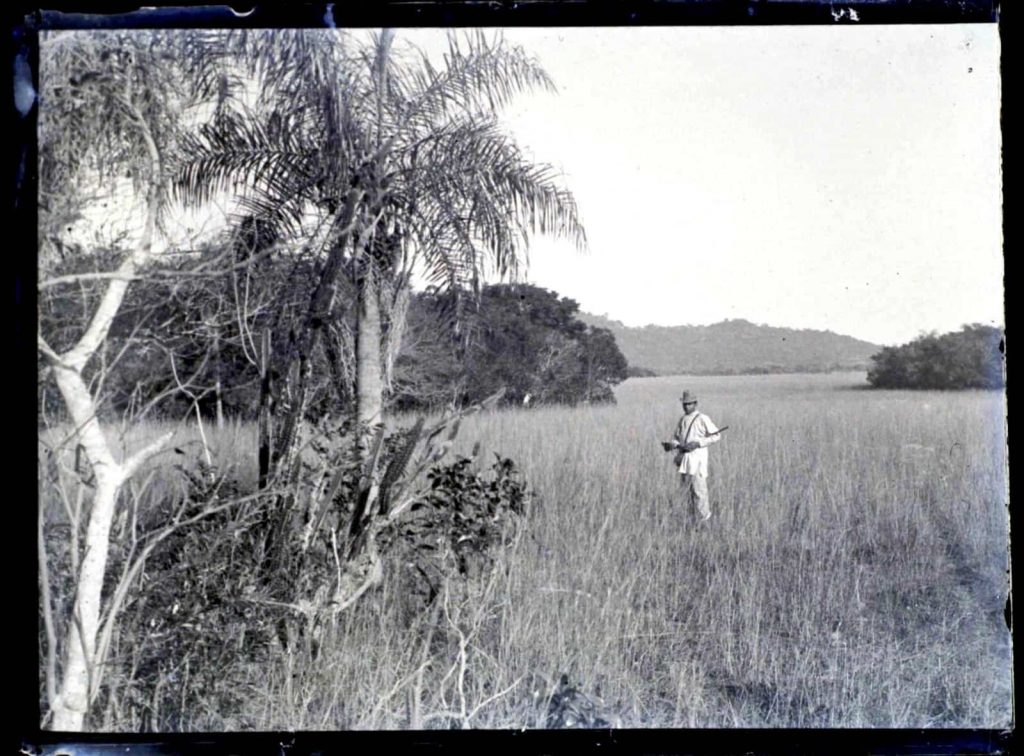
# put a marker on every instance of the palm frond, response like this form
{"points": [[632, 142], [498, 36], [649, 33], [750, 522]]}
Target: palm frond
{"points": [[482, 199], [291, 61], [479, 76], [425, 137], [448, 253], [268, 163]]}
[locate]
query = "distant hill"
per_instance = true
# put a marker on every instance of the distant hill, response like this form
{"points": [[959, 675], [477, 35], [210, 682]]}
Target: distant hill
{"points": [[735, 346]]}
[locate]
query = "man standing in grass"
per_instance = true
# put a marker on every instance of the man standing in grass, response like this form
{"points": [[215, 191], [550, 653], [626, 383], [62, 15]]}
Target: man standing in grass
{"points": [[694, 434]]}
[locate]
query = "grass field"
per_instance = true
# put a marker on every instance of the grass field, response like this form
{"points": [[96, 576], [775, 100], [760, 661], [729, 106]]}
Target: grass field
{"points": [[854, 574]]}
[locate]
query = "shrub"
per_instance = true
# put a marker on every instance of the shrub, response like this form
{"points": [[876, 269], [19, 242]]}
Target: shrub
{"points": [[221, 599], [969, 358], [456, 529]]}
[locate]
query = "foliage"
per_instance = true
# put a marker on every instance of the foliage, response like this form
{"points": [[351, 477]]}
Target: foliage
{"points": [[358, 161], [189, 340], [189, 334], [456, 529], [519, 336], [96, 89], [113, 113], [969, 358], [208, 606], [422, 142], [189, 622], [376, 160]]}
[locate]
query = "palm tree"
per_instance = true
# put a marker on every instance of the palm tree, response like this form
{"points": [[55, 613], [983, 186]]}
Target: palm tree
{"points": [[399, 162]]}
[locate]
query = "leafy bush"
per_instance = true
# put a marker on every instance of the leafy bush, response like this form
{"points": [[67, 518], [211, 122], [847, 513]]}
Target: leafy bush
{"points": [[969, 358], [454, 532], [521, 337], [220, 599], [188, 628]]}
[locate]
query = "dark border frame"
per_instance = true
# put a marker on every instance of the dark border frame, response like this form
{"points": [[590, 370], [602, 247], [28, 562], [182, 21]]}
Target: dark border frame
{"points": [[22, 42]]}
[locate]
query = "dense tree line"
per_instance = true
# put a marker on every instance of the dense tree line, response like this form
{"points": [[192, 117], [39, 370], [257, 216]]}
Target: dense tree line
{"points": [[969, 358], [194, 342], [519, 337]]}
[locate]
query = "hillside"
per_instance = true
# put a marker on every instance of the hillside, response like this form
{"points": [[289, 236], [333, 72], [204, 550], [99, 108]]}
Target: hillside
{"points": [[735, 346]]}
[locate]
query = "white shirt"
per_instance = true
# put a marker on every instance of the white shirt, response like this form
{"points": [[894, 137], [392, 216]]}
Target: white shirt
{"points": [[696, 427]]}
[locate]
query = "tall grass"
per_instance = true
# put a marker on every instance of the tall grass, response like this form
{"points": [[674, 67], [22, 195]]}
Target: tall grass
{"points": [[853, 574]]}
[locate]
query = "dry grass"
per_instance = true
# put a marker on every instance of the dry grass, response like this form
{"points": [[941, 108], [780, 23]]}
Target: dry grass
{"points": [[853, 574]]}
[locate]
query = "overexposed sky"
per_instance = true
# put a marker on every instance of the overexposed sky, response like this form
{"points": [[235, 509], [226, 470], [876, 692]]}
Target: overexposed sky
{"points": [[843, 178]]}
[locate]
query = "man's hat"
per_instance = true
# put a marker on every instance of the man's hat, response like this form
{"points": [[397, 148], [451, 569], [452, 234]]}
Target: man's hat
{"points": [[688, 398]]}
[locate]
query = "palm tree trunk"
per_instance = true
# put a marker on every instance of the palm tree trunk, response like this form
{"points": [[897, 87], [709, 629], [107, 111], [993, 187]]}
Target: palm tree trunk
{"points": [[336, 359], [369, 404], [369, 379], [320, 306], [264, 418]]}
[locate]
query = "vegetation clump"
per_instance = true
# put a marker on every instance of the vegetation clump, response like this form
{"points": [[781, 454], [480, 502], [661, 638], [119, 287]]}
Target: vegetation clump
{"points": [[971, 358], [214, 602], [455, 530], [523, 338]]}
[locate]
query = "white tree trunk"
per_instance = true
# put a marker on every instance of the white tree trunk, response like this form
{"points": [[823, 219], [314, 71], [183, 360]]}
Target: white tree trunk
{"points": [[369, 378], [74, 692], [81, 663]]}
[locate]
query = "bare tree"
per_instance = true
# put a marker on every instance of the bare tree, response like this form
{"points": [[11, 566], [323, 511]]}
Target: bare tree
{"points": [[111, 107]]}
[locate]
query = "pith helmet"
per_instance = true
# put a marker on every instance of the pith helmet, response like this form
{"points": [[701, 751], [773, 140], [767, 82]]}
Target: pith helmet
{"points": [[688, 397]]}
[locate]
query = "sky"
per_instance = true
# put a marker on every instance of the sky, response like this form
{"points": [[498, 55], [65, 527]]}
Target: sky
{"points": [[843, 178], [840, 178]]}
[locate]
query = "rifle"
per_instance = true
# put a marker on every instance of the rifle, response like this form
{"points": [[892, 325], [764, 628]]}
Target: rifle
{"points": [[667, 445]]}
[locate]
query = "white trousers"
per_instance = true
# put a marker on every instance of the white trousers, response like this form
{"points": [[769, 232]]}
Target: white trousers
{"points": [[695, 489]]}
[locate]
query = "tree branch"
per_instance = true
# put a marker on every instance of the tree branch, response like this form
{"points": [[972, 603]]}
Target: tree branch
{"points": [[157, 275], [132, 572], [48, 352], [95, 276], [103, 318], [131, 465]]}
